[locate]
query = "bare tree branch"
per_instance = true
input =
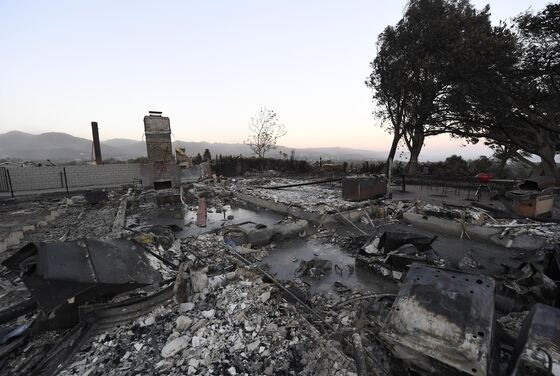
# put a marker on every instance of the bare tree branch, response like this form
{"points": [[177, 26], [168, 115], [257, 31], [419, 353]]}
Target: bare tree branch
{"points": [[265, 130]]}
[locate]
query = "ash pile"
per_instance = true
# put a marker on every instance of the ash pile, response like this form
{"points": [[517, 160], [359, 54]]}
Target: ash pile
{"points": [[102, 290], [147, 303]]}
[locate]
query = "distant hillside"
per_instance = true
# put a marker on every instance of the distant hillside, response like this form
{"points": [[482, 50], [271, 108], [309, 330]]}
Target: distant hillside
{"points": [[52, 145], [65, 147]]}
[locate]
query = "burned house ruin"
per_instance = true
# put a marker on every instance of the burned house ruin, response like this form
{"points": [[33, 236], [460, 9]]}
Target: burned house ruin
{"points": [[276, 275], [310, 241]]}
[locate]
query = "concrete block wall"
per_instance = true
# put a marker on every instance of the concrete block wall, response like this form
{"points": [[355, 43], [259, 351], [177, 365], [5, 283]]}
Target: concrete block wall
{"points": [[109, 174], [52, 177], [32, 178]]}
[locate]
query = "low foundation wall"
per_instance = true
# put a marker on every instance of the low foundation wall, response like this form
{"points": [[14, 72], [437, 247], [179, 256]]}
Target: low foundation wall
{"points": [[474, 232], [352, 215]]}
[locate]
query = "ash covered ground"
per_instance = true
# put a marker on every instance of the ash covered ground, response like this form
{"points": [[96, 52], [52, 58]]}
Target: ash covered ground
{"points": [[258, 291]]}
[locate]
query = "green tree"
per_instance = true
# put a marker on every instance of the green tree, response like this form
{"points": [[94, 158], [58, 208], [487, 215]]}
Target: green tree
{"points": [[514, 103], [197, 159], [389, 83], [435, 45], [206, 156], [482, 164]]}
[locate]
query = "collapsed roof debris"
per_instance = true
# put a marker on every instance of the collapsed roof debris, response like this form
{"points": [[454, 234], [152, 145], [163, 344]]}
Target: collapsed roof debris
{"points": [[313, 198], [393, 252], [125, 283], [61, 276]]}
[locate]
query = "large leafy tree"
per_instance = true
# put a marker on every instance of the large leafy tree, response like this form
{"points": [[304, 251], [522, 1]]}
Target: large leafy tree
{"points": [[390, 81], [514, 103], [419, 62]]}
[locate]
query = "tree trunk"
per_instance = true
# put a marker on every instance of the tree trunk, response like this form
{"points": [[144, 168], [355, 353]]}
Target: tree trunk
{"points": [[502, 165], [547, 155], [414, 148], [549, 167], [392, 152], [412, 167]]}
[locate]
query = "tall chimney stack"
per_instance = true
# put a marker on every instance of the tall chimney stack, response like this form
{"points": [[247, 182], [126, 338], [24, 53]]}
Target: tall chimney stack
{"points": [[96, 143]]}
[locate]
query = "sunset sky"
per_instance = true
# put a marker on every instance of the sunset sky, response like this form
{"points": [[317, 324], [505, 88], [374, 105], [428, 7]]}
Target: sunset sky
{"points": [[208, 65]]}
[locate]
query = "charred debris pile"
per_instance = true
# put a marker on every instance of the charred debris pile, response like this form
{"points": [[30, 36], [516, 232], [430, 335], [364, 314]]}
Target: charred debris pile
{"points": [[274, 276]]}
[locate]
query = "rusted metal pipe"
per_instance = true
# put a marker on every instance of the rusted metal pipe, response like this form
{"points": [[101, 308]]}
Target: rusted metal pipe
{"points": [[96, 143]]}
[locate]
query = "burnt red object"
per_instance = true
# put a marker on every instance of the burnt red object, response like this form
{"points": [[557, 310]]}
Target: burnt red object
{"points": [[484, 177], [201, 214]]}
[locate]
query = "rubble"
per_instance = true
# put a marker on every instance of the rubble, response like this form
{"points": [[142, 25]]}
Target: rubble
{"points": [[529, 285], [510, 325], [392, 253], [315, 268], [238, 333], [312, 198], [327, 304], [477, 223]]}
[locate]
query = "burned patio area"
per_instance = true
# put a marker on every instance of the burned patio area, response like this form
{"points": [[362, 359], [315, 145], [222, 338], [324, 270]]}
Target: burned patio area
{"points": [[276, 276]]}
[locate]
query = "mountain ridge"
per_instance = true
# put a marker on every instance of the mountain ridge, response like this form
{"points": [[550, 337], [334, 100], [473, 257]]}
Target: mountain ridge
{"points": [[62, 146]]}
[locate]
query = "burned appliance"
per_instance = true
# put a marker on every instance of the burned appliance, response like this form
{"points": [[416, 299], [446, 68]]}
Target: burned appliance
{"points": [[532, 204], [359, 188], [537, 351], [441, 323]]}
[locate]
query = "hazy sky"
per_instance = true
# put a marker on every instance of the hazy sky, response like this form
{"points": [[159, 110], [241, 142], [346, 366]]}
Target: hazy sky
{"points": [[208, 65]]}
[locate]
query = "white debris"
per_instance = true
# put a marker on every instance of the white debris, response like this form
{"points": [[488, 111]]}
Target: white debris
{"points": [[372, 248], [253, 345], [197, 341], [264, 296], [186, 307], [173, 347], [318, 198], [182, 323]]}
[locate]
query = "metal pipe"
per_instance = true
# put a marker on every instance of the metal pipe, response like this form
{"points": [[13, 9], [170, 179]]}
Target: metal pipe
{"points": [[10, 182], [96, 143], [65, 178]]}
